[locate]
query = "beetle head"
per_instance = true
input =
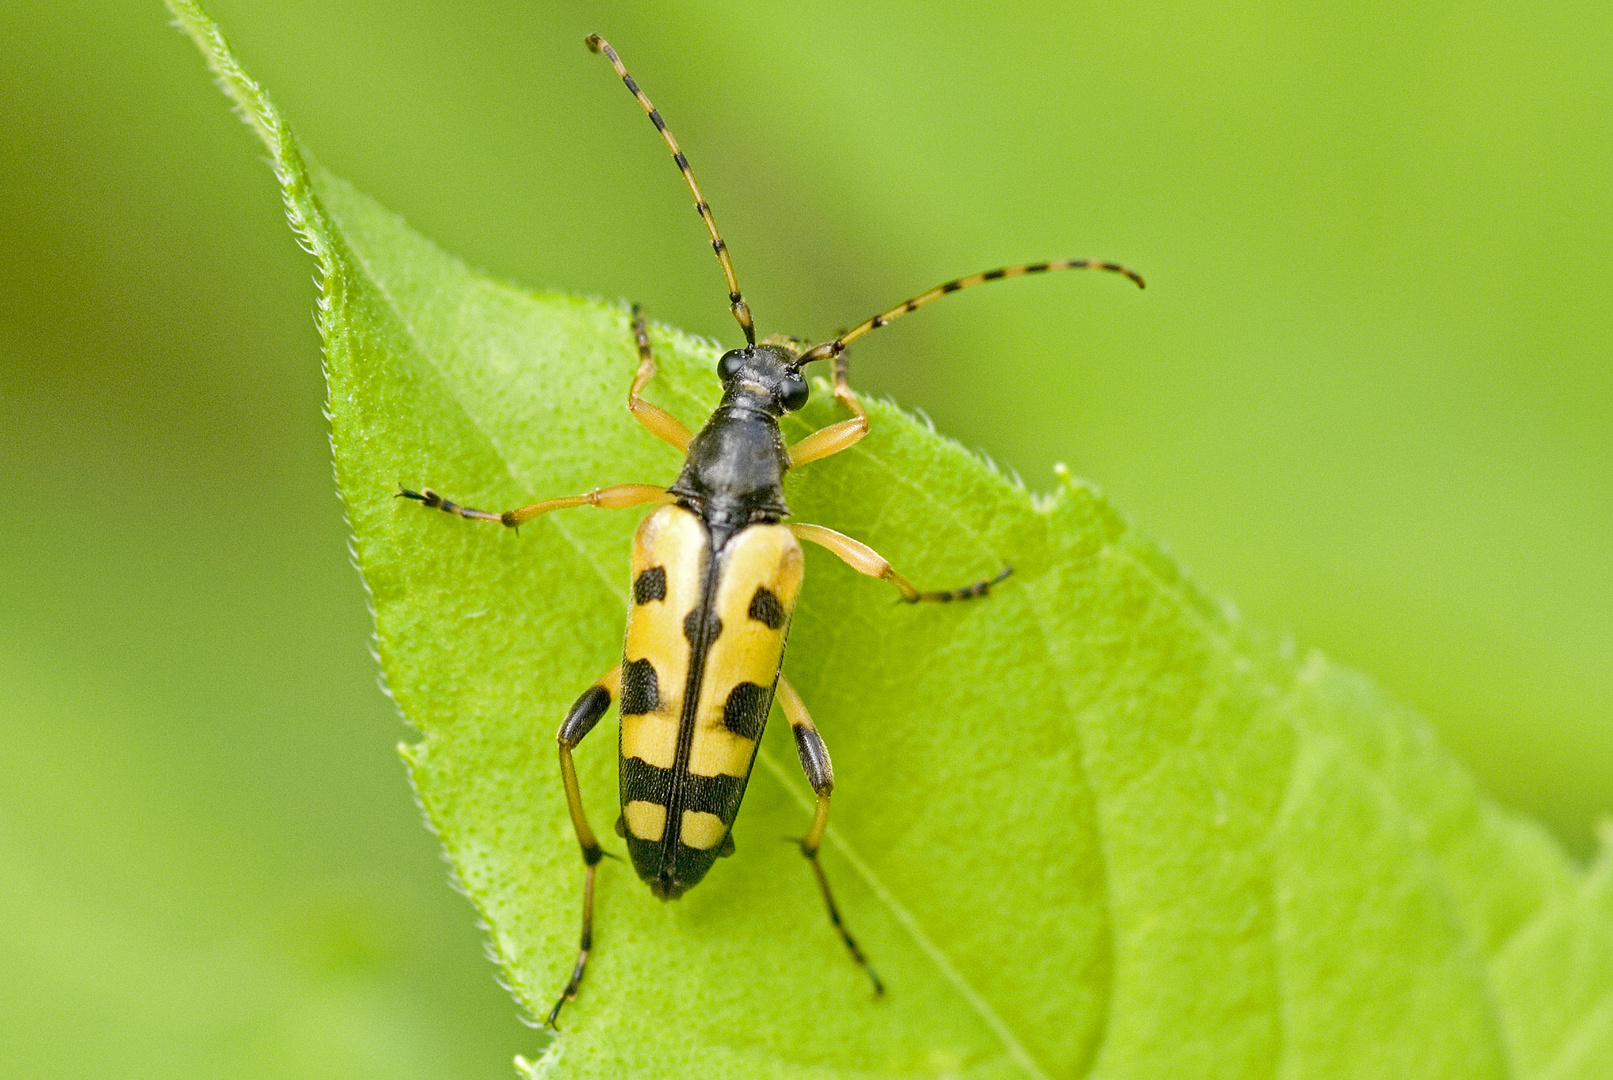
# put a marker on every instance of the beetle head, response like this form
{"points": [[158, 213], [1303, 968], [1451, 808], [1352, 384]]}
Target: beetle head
{"points": [[767, 374]]}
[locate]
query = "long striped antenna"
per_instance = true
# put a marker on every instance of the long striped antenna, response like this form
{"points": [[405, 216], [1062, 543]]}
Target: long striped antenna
{"points": [[834, 349], [736, 299]]}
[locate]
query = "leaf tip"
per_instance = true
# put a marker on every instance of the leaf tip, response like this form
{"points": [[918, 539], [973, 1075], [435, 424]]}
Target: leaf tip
{"points": [[253, 106]]}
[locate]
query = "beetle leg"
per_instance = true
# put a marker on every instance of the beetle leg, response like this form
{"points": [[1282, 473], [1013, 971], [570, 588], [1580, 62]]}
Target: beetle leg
{"points": [[865, 560], [609, 498], [835, 437], [829, 440], [579, 721], [820, 773], [660, 423]]}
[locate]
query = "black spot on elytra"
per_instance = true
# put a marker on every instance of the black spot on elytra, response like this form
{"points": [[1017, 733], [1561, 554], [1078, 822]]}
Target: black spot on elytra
{"points": [[701, 632], [718, 795], [745, 711], [642, 782], [650, 585], [641, 691], [765, 608]]}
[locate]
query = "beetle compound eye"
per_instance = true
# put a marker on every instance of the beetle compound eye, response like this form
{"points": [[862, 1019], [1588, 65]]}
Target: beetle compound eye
{"points": [[730, 364], [793, 392]]}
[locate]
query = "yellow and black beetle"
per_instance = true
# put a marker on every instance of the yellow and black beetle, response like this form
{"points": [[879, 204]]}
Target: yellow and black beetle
{"points": [[715, 577]]}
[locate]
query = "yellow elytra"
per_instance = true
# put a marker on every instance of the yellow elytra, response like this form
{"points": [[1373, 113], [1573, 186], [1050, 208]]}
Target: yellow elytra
{"points": [[705, 642], [715, 577]]}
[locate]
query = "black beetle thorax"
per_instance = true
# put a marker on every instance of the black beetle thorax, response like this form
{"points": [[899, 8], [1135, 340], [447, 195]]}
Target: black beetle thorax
{"points": [[734, 472]]}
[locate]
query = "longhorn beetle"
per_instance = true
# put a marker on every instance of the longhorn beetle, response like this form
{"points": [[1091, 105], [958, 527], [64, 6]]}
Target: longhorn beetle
{"points": [[715, 577]]}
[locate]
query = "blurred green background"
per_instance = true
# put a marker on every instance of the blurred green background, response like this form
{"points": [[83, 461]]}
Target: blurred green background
{"points": [[1368, 395]]}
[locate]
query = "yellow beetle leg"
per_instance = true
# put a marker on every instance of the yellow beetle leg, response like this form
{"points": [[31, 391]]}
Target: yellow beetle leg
{"points": [[865, 560], [820, 773], [829, 440], [835, 437], [609, 498], [657, 421], [579, 721]]}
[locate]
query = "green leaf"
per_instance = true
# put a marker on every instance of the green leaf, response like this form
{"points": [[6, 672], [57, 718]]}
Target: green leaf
{"points": [[1091, 826]]}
